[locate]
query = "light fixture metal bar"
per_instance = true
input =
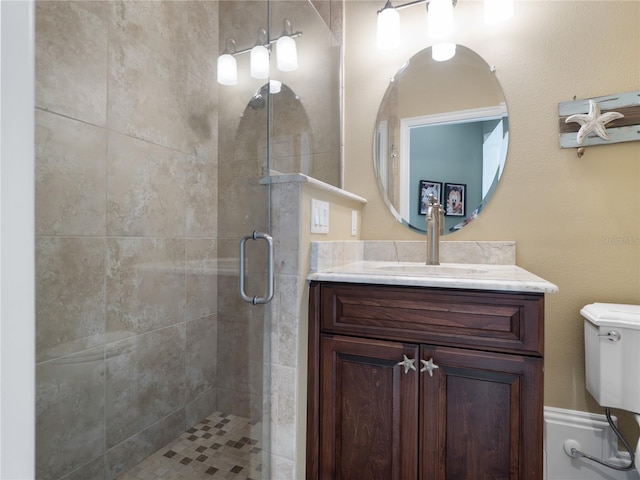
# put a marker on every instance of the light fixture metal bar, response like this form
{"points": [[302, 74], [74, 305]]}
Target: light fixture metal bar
{"points": [[404, 5], [293, 35], [411, 4], [415, 2]]}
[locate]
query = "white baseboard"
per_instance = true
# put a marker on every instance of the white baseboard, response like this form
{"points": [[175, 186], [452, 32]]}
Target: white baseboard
{"points": [[594, 436]]}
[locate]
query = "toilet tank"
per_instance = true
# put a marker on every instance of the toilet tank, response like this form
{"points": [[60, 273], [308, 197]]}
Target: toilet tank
{"points": [[612, 354]]}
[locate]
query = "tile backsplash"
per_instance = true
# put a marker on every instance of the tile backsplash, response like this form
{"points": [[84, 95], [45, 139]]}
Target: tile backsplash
{"points": [[326, 255]]}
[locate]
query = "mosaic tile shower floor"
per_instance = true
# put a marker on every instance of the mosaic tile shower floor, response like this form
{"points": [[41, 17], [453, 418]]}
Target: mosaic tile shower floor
{"points": [[221, 446]]}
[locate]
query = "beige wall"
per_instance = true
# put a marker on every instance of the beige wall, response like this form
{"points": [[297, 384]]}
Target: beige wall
{"points": [[466, 80], [576, 221]]}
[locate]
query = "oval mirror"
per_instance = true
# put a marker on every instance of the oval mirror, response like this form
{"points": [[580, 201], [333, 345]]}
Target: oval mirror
{"points": [[442, 128]]}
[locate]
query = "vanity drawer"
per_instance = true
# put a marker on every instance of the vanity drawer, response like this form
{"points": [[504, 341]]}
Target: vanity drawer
{"points": [[493, 321]]}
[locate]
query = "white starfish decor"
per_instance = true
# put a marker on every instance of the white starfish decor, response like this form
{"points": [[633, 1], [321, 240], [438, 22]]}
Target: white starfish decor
{"points": [[594, 121]]}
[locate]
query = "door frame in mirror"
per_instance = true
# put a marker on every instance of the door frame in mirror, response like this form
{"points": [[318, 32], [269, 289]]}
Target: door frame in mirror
{"points": [[450, 118]]}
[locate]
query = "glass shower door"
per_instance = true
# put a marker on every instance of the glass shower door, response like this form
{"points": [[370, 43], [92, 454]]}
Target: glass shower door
{"points": [[244, 216], [148, 362], [150, 179]]}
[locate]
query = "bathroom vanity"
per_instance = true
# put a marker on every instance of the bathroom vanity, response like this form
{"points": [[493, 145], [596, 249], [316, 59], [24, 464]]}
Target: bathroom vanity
{"points": [[418, 373]]}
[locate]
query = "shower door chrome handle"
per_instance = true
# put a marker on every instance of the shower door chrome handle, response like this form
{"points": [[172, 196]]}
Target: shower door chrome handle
{"points": [[256, 299]]}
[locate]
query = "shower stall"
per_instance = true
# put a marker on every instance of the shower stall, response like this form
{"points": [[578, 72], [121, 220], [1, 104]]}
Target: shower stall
{"points": [[148, 175]]}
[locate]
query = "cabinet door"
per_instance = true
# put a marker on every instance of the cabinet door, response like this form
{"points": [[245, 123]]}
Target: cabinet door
{"points": [[368, 410], [481, 416]]}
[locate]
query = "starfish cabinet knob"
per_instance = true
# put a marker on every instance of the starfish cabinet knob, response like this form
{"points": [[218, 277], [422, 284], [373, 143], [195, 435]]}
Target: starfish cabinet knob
{"points": [[407, 363], [429, 366]]}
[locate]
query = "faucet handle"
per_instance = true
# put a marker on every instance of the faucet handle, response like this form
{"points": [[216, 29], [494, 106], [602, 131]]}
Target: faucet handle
{"points": [[432, 202], [437, 210]]}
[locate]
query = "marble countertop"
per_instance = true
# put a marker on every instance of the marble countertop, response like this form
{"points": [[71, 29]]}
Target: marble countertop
{"points": [[447, 275]]}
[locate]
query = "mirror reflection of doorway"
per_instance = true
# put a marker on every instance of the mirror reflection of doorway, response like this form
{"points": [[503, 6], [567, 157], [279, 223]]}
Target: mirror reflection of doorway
{"points": [[467, 148]]}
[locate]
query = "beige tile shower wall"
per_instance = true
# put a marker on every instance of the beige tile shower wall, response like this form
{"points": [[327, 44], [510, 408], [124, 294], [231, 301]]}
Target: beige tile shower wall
{"points": [[126, 224], [332, 13]]}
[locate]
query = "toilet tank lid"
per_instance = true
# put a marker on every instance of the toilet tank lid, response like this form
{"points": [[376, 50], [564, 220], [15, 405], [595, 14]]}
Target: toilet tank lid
{"points": [[612, 315]]}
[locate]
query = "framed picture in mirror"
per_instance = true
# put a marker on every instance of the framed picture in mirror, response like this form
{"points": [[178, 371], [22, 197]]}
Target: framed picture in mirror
{"points": [[426, 188], [455, 195]]}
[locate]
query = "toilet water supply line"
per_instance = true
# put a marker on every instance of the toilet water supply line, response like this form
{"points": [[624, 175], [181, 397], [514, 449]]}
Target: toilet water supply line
{"points": [[575, 453]]}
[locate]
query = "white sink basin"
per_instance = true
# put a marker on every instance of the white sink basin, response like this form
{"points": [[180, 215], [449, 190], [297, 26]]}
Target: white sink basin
{"points": [[431, 270]]}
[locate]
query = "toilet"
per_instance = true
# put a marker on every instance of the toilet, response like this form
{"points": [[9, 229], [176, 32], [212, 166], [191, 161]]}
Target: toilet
{"points": [[612, 356]]}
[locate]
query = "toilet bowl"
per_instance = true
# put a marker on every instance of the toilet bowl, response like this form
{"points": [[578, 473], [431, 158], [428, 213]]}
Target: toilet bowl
{"points": [[612, 356]]}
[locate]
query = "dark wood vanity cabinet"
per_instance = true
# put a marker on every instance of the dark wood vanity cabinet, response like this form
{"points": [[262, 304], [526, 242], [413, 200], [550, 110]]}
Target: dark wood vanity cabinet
{"points": [[424, 383]]}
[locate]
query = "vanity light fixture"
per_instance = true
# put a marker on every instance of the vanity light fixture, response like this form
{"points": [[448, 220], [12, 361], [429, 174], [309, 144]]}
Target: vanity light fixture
{"points": [[440, 26], [388, 28], [286, 56], [440, 21], [275, 86], [440, 18], [441, 52], [259, 64], [286, 50], [227, 65]]}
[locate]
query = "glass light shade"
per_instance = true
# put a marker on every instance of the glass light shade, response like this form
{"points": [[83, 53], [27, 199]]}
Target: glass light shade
{"points": [[388, 32], [497, 11], [275, 86], [440, 18], [441, 52], [227, 70], [286, 54], [259, 62]]}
